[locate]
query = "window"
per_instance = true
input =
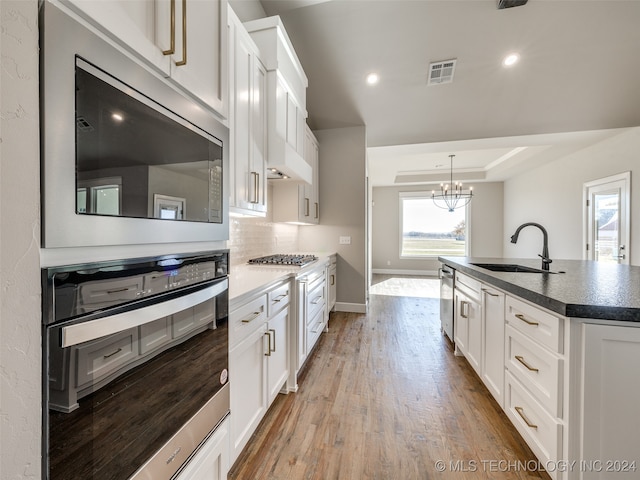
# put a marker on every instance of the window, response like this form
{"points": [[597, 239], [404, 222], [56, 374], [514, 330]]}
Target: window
{"points": [[430, 231]]}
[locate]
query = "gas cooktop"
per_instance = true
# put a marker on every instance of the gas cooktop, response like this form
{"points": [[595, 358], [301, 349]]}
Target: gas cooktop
{"points": [[295, 259]]}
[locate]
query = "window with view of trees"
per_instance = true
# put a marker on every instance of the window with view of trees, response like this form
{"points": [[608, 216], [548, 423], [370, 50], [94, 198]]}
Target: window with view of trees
{"points": [[430, 231]]}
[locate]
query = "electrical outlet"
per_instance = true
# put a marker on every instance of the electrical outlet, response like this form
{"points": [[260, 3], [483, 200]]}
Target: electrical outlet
{"points": [[345, 240]]}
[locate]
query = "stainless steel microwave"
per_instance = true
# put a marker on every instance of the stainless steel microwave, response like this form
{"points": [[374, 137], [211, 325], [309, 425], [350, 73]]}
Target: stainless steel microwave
{"points": [[126, 158]]}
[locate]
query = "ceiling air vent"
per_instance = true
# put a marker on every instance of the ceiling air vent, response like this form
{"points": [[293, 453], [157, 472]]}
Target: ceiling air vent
{"points": [[441, 72]]}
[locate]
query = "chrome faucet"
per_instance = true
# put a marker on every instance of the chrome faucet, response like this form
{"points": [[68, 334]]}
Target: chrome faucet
{"points": [[545, 242]]}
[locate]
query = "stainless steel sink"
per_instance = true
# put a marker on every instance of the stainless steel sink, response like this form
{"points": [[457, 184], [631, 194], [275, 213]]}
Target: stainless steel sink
{"points": [[508, 267]]}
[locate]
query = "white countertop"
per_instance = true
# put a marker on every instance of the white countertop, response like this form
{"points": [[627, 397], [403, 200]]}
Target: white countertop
{"points": [[246, 279]]}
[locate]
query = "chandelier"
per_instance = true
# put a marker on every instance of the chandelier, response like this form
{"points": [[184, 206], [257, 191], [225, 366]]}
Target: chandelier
{"points": [[451, 195]]}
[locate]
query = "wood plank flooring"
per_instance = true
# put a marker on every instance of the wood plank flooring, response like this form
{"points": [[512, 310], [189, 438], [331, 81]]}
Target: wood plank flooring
{"points": [[384, 397]]}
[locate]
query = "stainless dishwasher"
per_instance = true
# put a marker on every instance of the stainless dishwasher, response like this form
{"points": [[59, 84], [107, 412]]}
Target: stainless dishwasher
{"points": [[447, 279]]}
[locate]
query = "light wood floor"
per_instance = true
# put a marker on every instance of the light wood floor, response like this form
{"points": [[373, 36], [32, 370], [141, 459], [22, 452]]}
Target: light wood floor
{"points": [[383, 397]]}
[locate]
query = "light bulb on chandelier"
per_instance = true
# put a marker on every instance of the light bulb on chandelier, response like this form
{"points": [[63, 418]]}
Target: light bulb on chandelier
{"points": [[453, 198]]}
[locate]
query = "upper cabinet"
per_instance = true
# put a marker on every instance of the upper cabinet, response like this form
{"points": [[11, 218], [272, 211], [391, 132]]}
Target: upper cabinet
{"points": [[247, 122], [286, 100], [183, 40]]}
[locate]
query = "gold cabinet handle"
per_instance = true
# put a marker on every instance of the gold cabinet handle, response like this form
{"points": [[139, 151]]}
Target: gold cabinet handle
{"points": [[271, 330], [268, 353], [252, 317], [112, 354], [333, 279], [280, 297], [317, 210], [464, 309], [316, 300], [490, 293], [256, 187], [184, 35], [306, 207], [172, 46], [519, 316], [520, 411], [523, 362]]}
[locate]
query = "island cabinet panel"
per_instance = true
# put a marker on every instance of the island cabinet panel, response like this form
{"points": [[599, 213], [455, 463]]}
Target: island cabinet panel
{"points": [[611, 395], [493, 341]]}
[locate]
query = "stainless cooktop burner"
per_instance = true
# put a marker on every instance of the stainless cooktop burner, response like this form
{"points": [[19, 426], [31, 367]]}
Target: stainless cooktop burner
{"points": [[298, 260]]}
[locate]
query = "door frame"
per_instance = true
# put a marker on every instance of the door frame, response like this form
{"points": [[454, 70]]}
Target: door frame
{"points": [[622, 181]]}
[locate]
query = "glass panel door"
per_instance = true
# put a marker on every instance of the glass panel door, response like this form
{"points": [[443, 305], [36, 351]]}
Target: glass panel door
{"points": [[606, 227]]}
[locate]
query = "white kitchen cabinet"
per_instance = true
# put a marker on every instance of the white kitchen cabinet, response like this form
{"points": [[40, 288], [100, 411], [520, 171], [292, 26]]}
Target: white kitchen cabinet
{"points": [[610, 386], [286, 99], [493, 341], [468, 324], [211, 461], [248, 122], [332, 279], [299, 202], [258, 359], [197, 64]]}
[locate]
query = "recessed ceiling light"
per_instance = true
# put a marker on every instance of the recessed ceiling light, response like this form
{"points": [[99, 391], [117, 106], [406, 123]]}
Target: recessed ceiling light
{"points": [[510, 59], [117, 117], [373, 78]]}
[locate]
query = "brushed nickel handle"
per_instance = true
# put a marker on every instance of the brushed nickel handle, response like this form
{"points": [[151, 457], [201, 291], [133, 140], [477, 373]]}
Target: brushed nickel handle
{"points": [[490, 293], [256, 185], [252, 317], [464, 309], [306, 207], [520, 411], [112, 354], [268, 354], [519, 316], [184, 35], [172, 42], [271, 330], [523, 362]]}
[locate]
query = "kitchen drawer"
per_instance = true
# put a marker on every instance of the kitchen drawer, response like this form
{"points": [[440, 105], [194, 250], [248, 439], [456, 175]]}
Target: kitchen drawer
{"points": [[541, 431], [246, 319], [109, 292], [154, 334], [470, 286], [536, 323], [279, 298], [314, 329], [537, 368], [316, 299], [188, 320], [99, 358]]}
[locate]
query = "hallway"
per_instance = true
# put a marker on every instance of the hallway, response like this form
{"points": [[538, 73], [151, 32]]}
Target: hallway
{"points": [[383, 397]]}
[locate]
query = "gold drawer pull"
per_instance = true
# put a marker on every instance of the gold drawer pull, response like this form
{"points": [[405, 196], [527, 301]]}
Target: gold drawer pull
{"points": [[251, 318], [271, 330], [269, 350], [519, 316], [317, 300], [520, 411], [112, 354], [490, 293], [529, 367], [280, 297]]}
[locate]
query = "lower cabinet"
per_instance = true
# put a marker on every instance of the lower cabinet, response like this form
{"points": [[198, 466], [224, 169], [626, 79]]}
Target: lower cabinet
{"points": [[468, 324], [211, 461], [610, 394], [258, 359], [493, 342]]}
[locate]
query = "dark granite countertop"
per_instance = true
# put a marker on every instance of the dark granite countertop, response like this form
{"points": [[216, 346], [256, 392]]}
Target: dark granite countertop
{"points": [[586, 289]]}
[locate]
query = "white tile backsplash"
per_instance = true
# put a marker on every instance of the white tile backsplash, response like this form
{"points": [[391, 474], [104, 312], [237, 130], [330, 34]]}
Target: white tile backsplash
{"points": [[254, 237]]}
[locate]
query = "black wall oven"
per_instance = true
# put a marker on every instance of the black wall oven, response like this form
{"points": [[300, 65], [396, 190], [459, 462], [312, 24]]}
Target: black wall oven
{"points": [[126, 158], [135, 358]]}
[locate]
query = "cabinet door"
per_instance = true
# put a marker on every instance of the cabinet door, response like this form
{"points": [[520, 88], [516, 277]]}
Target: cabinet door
{"points": [[199, 64], [211, 461], [277, 350], [130, 24], [259, 135], [611, 395], [493, 339], [248, 380], [474, 340]]}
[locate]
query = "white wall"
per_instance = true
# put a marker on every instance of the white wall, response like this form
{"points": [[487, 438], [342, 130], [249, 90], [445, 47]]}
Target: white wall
{"points": [[247, 9], [484, 218], [342, 160], [552, 196], [20, 353]]}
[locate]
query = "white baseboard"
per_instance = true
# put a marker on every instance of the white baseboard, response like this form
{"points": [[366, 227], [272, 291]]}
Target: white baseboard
{"points": [[384, 271], [351, 307]]}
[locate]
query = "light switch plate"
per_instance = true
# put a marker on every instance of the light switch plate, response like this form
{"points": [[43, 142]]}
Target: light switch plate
{"points": [[346, 240]]}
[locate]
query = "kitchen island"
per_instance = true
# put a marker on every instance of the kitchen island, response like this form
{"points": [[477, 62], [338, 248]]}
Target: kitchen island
{"points": [[559, 350]]}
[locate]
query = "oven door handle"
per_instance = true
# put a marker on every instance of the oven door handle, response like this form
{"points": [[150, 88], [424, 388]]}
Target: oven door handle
{"points": [[94, 329]]}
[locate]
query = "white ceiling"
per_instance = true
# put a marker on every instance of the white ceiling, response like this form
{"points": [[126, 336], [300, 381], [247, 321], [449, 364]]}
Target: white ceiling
{"points": [[579, 72]]}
